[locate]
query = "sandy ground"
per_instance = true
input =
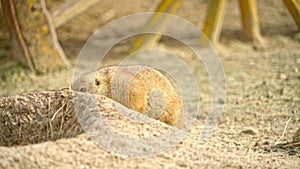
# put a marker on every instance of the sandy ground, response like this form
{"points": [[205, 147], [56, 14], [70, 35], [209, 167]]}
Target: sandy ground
{"points": [[263, 92]]}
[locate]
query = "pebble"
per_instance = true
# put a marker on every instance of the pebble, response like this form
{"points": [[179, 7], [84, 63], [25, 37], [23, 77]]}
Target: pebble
{"points": [[283, 76], [297, 135], [292, 152], [249, 130]]}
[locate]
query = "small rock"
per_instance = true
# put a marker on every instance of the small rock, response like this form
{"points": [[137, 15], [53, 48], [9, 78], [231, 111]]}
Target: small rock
{"points": [[297, 136], [250, 131], [269, 95], [267, 150], [283, 76], [82, 166], [182, 164], [292, 152]]}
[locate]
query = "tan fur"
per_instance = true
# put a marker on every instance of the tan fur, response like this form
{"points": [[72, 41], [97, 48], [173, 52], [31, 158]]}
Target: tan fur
{"points": [[140, 88]]}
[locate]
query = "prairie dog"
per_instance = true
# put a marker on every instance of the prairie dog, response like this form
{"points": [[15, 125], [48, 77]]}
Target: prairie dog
{"points": [[140, 88]]}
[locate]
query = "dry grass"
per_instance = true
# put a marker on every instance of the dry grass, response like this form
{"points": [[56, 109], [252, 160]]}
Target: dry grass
{"points": [[36, 117]]}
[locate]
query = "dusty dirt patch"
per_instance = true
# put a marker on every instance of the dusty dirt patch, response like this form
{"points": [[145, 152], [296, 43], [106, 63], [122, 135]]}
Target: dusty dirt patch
{"points": [[263, 89]]}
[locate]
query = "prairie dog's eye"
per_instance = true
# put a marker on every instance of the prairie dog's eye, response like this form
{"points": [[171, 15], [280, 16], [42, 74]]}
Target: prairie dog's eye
{"points": [[97, 82], [83, 89]]}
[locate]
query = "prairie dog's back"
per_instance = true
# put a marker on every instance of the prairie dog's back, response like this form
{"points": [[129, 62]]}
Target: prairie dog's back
{"points": [[141, 88]]}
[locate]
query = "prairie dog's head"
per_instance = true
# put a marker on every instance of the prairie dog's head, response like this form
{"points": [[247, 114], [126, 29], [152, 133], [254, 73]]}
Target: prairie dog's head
{"points": [[95, 83]]}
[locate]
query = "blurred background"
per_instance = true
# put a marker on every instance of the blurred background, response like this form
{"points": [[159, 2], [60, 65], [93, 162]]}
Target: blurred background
{"points": [[262, 77]]}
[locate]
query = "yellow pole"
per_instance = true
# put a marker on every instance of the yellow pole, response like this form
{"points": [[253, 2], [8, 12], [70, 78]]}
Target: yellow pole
{"points": [[214, 20], [156, 23], [294, 8], [250, 19], [70, 9]]}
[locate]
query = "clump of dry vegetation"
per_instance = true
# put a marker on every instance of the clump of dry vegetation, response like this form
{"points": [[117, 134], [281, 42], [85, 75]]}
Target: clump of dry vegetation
{"points": [[36, 117]]}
